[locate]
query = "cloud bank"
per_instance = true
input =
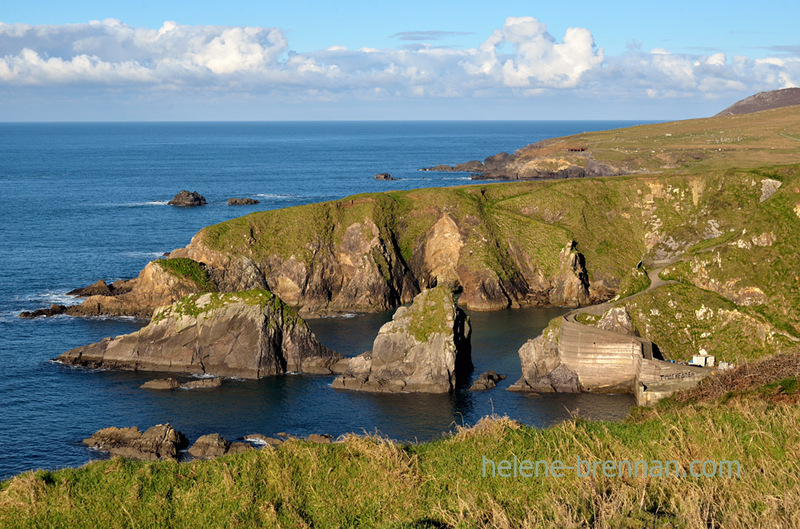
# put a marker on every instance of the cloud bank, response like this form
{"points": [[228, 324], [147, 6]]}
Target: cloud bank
{"points": [[520, 59]]}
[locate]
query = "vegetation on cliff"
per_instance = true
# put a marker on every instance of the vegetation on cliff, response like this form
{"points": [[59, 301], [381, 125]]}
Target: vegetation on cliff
{"points": [[183, 267], [369, 481]]}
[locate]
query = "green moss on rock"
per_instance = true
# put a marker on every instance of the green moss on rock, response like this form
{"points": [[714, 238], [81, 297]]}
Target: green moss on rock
{"points": [[190, 269]]}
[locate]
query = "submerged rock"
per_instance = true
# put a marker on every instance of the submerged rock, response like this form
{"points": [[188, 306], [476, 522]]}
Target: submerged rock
{"points": [[159, 442], [242, 201], [187, 199], [425, 348], [172, 383], [249, 334], [52, 310]]}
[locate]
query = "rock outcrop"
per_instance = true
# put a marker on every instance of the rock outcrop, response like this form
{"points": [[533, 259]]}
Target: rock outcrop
{"points": [[542, 370], [242, 201], [425, 348], [384, 176], [156, 286], [170, 383], [187, 199], [249, 334], [159, 442], [487, 380], [521, 165]]}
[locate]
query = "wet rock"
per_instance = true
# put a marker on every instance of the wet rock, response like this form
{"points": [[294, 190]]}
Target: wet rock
{"points": [[384, 176], [172, 383], [260, 439], [161, 384], [52, 310], [425, 348], [187, 199], [203, 383], [486, 380], [242, 201], [159, 442]]}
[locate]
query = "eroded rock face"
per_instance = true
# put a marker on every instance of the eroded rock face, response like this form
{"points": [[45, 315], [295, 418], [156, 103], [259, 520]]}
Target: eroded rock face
{"points": [[542, 371], [617, 319], [154, 287], [248, 334], [159, 442], [571, 285], [425, 348], [188, 199]]}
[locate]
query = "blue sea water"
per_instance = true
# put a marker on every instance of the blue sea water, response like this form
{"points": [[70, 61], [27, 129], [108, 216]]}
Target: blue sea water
{"points": [[79, 202]]}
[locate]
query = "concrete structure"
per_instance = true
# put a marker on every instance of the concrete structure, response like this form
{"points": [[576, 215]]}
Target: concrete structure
{"points": [[610, 362]]}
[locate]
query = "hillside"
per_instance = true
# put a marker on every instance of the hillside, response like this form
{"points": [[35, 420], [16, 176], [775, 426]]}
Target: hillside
{"points": [[678, 147], [764, 101]]}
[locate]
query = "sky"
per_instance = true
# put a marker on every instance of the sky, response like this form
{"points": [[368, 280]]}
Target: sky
{"points": [[89, 60]]}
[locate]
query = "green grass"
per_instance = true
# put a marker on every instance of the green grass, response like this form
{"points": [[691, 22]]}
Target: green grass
{"points": [[636, 281], [371, 482], [429, 312], [185, 268]]}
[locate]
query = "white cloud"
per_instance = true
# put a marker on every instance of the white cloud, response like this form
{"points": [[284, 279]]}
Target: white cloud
{"points": [[521, 59]]}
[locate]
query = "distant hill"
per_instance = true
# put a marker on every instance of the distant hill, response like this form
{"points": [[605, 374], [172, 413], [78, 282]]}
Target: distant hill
{"points": [[764, 101]]}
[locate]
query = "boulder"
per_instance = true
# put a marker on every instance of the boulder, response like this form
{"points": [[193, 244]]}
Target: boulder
{"points": [[188, 199], [249, 334], [384, 176], [487, 380], [209, 446], [425, 348], [242, 201], [159, 442], [320, 438]]}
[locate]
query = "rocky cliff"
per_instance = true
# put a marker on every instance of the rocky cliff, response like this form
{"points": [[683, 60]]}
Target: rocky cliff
{"points": [[248, 334], [425, 348]]}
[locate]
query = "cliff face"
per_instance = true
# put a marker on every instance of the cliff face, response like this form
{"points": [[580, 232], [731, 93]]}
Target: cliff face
{"points": [[425, 348], [248, 335]]}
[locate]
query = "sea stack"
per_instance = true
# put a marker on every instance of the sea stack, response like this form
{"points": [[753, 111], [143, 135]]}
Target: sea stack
{"points": [[425, 348]]}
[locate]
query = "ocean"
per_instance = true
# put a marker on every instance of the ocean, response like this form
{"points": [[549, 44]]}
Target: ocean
{"points": [[85, 201]]}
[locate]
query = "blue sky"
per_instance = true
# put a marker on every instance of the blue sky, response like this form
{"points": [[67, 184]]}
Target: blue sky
{"points": [[182, 60]]}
